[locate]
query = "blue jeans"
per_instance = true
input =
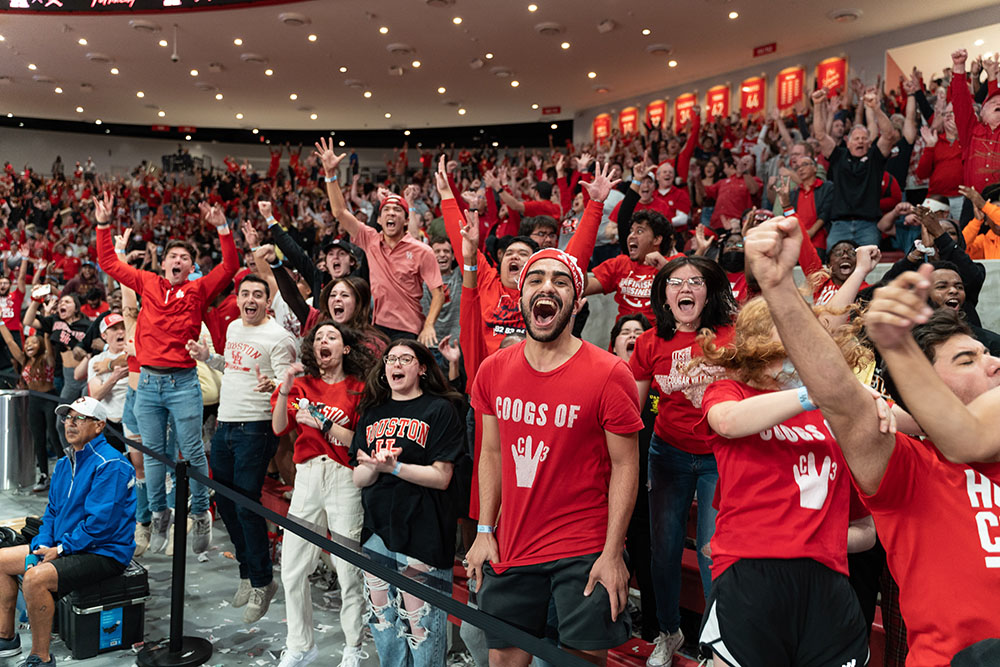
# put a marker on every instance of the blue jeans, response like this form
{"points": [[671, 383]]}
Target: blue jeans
{"points": [[240, 454], [392, 621], [174, 398], [905, 236], [862, 232], [674, 476]]}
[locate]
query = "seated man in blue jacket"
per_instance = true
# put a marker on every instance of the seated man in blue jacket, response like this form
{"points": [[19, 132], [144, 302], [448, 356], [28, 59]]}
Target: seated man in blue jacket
{"points": [[87, 532]]}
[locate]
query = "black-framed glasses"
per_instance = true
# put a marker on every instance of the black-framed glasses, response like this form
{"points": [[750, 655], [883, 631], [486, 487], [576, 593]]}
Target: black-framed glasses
{"points": [[402, 360]]}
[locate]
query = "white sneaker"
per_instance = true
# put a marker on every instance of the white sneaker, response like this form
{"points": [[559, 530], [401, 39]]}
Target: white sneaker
{"points": [[201, 532], [242, 593], [142, 534], [260, 601], [353, 655], [298, 658], [160, 530], [666, 646]]}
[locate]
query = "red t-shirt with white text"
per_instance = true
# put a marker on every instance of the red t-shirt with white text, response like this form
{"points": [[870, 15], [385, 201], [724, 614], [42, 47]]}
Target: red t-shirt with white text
{"points": [[940, 524], [630, 281], [784, 492], [555, 466], [340, 403], [679, 420], [10, 309]]}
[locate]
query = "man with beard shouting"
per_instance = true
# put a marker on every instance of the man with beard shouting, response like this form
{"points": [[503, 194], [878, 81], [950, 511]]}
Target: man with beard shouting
{"points": [[559, 451]]}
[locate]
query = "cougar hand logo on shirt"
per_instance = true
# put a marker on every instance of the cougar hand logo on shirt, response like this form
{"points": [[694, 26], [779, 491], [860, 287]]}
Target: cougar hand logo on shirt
{"points": [[526, 461], [813, 486]]}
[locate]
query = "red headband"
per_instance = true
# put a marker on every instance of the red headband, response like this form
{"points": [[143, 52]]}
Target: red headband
{"points": [[560, 256]]}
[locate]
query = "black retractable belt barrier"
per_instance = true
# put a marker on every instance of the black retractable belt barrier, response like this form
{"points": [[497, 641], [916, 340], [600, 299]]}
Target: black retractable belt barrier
{"points": [[190, 651]]}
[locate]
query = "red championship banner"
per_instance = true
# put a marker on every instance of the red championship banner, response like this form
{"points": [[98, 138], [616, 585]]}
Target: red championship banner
{"points": [[752, 96], [717, 102], [682, 110], [602, 128], [832, 73], [791, 83], [628, 121], [656, 113]]}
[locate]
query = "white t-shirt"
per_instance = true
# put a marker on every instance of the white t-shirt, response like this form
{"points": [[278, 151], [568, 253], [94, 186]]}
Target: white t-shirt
{"points": [[268, 346], [114, 402]]}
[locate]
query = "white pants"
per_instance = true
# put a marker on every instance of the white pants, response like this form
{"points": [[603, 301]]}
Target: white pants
{"points": [[324, 498]]}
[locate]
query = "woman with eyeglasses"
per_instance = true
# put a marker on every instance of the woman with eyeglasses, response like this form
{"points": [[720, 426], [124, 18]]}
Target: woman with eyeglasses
{"points": [[405, 445], [689, 294], [322, 404]]}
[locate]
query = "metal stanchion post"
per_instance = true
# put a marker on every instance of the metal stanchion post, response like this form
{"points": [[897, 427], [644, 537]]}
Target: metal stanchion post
{"points": [[181, 651]]}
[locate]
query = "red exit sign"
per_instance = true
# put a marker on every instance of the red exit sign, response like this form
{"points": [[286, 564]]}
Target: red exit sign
{"points": [[551, 111], [765, 49]]}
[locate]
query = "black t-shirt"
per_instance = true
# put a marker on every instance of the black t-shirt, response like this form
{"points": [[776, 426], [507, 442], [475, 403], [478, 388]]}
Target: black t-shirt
{"points": [[414, 520], [857, 184], [898, 163], [64, 335]]}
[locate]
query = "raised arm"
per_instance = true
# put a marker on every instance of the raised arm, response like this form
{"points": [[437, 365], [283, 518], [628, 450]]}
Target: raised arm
{"points": [[961, 98], [330, 160], [826, 142], [772, 250], [586, 232], [292, 251], [886, 132], [109, 261]]}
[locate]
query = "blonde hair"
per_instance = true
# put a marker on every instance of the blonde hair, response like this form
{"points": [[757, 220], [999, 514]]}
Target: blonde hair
{"points": [[755, 347]]}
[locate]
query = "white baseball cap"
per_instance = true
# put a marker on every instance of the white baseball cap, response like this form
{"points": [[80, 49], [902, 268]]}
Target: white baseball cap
{"points": [[85, 405]]}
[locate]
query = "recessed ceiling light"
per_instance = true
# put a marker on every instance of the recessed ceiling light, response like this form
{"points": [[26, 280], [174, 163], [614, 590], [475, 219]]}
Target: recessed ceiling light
{"points": [[269, 72], [194, 72], [161, 114], [163, 42], [293, 97], [646, 31], [187, 137], [489, 56], [495, 144], [98, 121], [312, 38], [383, 30], [534, 106], [672, 63], [442, 90], [238, 42], [2, 38], [343, 69], [32, 66], [406, 133], [82, 41], [565, 45], [515, 83], [58, 90], [457, 20], [461, 112], [10, 115], [591, 75], [239, 116], [140, 94], [415, 64], [978, 42], [218, 96], [734, 15], [340, 143], [554, 126], [114, 70], [388, 115], [79, 109], [368, 94], [313, 116], [532, 8], [255, 131]]}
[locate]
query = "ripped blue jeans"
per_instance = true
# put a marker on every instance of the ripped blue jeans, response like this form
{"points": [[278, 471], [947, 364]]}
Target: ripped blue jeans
{"points": [[408, 632]]}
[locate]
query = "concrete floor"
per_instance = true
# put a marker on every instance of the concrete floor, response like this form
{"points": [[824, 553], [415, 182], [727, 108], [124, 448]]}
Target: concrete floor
{"points": [[207, 613]]}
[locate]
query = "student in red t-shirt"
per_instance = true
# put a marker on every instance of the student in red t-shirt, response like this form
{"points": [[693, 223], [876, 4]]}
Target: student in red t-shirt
{"points": [[936, 517], [780, 591], [560, 418], [539, 204], [689, 295], [322, 404]]}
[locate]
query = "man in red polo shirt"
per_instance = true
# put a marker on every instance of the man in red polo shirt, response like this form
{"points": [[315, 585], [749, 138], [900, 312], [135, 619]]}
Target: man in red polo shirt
{"points": [[810, 201], [733, 194], [947, 570], [398, 264]]}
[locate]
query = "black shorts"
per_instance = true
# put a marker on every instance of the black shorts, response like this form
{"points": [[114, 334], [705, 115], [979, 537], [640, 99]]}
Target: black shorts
{"points": [[78, 570], [774, 612], [520, 596]]}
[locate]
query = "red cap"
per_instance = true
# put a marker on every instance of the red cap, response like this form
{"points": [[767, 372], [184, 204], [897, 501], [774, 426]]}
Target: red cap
{"points": [[110, 320]]}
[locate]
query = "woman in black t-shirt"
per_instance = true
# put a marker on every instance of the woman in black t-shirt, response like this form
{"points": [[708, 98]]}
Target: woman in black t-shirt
{"points": [[405, 446]]}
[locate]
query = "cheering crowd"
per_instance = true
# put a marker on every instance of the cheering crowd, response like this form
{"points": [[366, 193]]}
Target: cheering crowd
{"points": [[404, 351]]}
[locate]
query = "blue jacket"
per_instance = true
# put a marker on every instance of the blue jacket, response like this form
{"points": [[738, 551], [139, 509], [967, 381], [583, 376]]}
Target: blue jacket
{"points": [[91, 504]]}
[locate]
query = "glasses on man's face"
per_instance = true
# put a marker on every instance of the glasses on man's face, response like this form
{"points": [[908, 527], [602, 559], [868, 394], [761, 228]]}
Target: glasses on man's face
{"points": [[677, 283], [79, 419], [402, 360], [544, 235]]}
